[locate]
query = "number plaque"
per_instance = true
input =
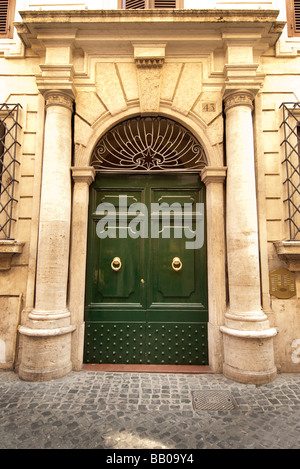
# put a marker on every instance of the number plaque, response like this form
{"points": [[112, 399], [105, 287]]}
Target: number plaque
{"points": [[282, 283]]}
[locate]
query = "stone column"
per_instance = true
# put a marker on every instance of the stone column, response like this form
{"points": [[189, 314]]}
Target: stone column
{"points": [[46, 352], [213, 178], [82, 178], [248, 339]]}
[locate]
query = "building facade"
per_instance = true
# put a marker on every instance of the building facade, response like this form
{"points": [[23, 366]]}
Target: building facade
{"points": [[149, 171]]}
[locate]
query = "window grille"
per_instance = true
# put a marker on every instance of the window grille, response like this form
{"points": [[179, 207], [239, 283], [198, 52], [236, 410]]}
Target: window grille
{"points": [[9, 114], [148, 144], [291, 142]]}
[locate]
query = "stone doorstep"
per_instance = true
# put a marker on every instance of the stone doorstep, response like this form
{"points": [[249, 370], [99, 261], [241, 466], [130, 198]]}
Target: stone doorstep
{"points": [[185, 369]]}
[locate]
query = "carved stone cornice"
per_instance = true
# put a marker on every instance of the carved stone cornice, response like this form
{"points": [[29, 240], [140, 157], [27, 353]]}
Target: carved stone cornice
{"points": [[239, 98], [58, 98], [85, 174], [8, 249], [149, 63], [211, 174], [147, 55], [242, 77], [56, 77], [289, 252]]}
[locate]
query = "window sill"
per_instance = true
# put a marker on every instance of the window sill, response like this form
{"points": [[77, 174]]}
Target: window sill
{"points": [[289, 251], [7, 250]]}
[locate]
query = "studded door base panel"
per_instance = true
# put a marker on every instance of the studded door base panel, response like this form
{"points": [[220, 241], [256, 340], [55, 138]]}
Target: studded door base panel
{"points": [[155, 343]]}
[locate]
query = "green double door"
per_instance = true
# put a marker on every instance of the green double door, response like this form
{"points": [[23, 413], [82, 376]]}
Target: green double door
{"points": [[146, 282]]}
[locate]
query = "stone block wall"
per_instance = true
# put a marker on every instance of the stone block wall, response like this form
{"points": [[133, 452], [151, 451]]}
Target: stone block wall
{"points": [[17, 282], [280, 86]]}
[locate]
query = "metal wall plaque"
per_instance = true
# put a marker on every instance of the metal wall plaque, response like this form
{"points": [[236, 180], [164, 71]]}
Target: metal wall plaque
{"points": [[282, 283]]}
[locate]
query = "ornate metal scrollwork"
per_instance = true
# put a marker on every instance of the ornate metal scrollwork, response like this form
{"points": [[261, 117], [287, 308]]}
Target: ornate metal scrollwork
{"points": [[148, 144]]}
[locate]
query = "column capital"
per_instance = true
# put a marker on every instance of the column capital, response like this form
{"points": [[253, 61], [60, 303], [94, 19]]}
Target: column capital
{"points": [[84, 174], [59, 98], [214, 174], [239, 98]]}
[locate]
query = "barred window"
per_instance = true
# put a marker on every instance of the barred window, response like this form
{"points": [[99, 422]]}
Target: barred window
{"points": [[293, 17], [291, 142], [150, 4], [8, 162]]}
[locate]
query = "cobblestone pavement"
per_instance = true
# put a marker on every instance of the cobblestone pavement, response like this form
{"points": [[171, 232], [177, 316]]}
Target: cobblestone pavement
{"points": [[108, 410]]}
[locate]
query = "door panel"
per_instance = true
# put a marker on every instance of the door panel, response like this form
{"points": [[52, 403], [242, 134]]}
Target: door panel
{"points": [[170, 285], [151, 308], [106, 286], [121, 284]]}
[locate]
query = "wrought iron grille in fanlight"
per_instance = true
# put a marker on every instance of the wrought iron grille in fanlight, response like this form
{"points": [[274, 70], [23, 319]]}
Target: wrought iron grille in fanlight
{"points": [[148, 144], [8, 159], [291, 142]]}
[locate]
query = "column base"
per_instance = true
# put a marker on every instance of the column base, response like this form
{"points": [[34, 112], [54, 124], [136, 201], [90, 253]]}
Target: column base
{"points": [[249, 355], [249, 377], [27, 374], [46, 350]]}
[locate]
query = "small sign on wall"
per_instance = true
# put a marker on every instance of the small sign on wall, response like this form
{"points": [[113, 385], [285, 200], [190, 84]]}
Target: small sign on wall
{"points": [[282, 283], [209, 107]]}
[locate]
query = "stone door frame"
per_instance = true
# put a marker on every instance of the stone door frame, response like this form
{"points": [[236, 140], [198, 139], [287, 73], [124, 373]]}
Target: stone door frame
{"points": [[213, 177]]}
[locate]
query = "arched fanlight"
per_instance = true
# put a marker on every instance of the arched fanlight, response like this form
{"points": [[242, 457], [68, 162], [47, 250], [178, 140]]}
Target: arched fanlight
{"points": [[148, 144]]}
